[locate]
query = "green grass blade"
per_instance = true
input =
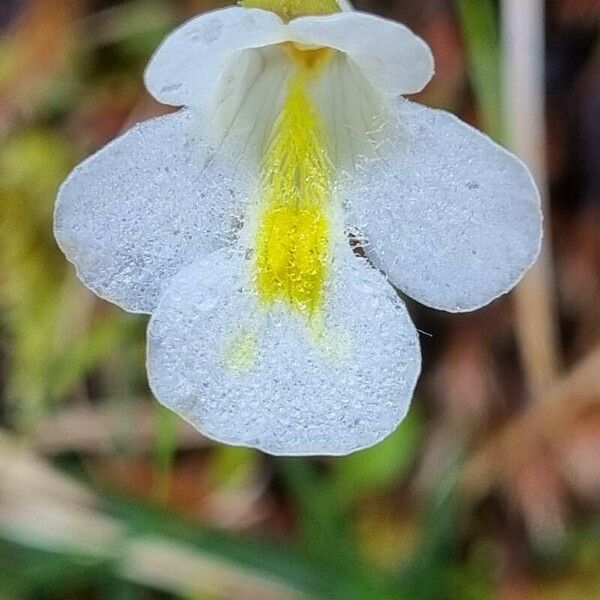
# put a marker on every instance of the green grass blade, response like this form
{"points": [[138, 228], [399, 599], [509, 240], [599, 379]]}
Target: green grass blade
{"points": [[479, 24], [26, 572], [167, 435]]}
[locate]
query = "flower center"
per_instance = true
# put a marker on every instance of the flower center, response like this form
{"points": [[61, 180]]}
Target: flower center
{"points": [[292, 243], [291, 9], [310, 60]]}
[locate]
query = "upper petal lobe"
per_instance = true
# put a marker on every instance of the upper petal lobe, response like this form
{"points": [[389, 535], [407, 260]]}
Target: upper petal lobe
{"points": [[390, 56], [186, 68]]}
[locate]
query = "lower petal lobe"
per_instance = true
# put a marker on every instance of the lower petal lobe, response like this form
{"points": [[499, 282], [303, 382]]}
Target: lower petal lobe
{"points": [[251, 376]]}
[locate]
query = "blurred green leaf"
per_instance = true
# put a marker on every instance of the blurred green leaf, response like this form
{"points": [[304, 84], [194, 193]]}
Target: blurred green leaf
{"points": [[380, 466], [53, 346], [315, 577], [37, 574], [84, 354], [137, 26], [437, 571], [230, 466], [167, 434], [32, 270], [325, 532], [323, 527], [479, 26], [34, 163], [113, 588]]}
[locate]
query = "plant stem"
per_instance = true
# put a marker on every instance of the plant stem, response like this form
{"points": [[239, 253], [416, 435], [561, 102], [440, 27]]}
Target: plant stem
{"points": [[523, 68]]}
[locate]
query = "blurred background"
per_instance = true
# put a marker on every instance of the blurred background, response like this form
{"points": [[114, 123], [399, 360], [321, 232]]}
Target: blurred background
{"points": [[490, 488]]}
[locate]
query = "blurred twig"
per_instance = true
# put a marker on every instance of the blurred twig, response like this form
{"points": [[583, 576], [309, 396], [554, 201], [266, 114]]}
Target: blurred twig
{"points": [[93, 430], [568, 398], [42, 508], [513, 111]]}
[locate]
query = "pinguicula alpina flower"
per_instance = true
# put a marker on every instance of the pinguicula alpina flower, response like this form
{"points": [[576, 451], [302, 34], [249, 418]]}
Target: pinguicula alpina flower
{"points": [[231, 222]]}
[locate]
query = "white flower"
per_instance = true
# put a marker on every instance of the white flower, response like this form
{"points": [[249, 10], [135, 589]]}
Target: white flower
{"points": [[229, 221]]}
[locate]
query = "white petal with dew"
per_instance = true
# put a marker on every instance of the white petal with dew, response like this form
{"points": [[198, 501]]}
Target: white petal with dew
{"points": [[353, 113], [248, 99], [187, 67], [302, 391], [148, 204], [253, 91], [452, 218], [391, 57]]}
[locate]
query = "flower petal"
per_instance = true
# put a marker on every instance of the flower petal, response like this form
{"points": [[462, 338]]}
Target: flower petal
{"points": [[352, 111], [269, 379], [149, 203], [391, 57], [187, 67], [452, 218], [247, 101]]}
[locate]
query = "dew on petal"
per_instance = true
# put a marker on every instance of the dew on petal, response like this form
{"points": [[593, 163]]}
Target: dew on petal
{"points": [[330, 391], [151, 202]]}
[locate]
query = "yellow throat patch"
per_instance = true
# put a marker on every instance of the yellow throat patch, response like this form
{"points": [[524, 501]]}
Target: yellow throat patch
{"points": [[293, 236]]}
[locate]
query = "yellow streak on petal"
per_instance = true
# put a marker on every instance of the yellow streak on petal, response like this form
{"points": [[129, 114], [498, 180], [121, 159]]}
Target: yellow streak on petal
{"points": [[292, 244], [291, 256], [242, 353]]}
